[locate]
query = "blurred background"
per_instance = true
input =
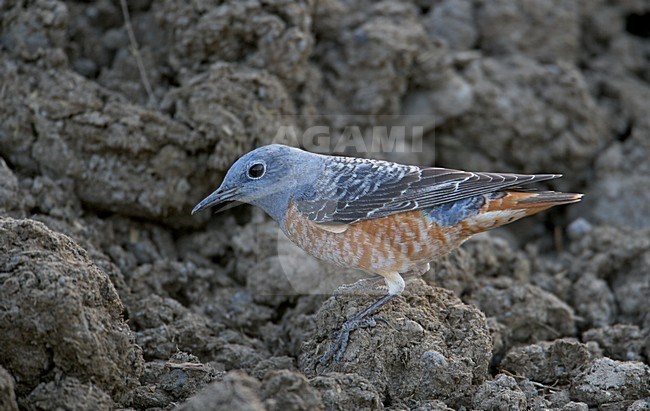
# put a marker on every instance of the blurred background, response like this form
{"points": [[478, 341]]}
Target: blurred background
{"points": [[117, 117]]}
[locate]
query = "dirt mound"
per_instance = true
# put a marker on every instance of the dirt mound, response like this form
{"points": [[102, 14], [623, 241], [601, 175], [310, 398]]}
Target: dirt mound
{"points": [[66, 307], [429, 345]]}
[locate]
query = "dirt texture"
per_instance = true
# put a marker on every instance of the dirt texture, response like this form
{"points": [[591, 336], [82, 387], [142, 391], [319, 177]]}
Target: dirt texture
{"points": [[65, 306], [411, 356], [7, 394], [112, 296]]}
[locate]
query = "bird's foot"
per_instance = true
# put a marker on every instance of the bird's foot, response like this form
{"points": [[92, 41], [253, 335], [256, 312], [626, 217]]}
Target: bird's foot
{"points": [[340, 343]]}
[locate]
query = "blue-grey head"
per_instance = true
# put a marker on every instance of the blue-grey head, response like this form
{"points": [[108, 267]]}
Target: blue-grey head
{"points": [[266, 177]]}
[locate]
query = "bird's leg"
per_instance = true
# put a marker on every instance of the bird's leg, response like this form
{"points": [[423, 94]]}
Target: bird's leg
{"points": [[364, 286], [417, 272], [340, 343]]}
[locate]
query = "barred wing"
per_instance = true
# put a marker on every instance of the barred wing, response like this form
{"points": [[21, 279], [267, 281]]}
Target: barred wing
{"points": [[354, 189]]}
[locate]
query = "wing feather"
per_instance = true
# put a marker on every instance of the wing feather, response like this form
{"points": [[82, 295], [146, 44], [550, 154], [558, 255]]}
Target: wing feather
{"points": [[353, 189]]}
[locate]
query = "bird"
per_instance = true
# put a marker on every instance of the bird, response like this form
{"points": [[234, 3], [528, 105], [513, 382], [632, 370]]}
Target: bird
{"points": [[380, 217]]}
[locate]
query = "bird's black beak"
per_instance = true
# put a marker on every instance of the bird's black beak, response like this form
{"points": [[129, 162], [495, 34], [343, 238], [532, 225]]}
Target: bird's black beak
{"points": [[218, 197]]}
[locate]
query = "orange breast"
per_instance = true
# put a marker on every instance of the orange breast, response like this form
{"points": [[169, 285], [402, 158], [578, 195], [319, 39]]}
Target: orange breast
{"points": [[394, 244]]}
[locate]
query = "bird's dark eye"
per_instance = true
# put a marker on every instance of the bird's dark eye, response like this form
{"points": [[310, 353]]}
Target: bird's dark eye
{"points": [[256, 170]]}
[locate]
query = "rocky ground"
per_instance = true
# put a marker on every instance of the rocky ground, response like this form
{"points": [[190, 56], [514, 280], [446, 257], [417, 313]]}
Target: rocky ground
{"points": [[113, 296]]}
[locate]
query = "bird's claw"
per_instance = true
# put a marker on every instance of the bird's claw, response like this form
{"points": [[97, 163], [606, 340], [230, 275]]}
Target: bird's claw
{"points": [[340, 343]]}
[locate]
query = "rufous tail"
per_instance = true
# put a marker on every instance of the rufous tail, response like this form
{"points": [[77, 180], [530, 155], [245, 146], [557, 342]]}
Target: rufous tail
{"points": [[514, 204], [532, 201]]}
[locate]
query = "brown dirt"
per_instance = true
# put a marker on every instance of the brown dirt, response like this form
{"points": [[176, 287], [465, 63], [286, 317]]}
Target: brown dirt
{"points": [[113, 296]]}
